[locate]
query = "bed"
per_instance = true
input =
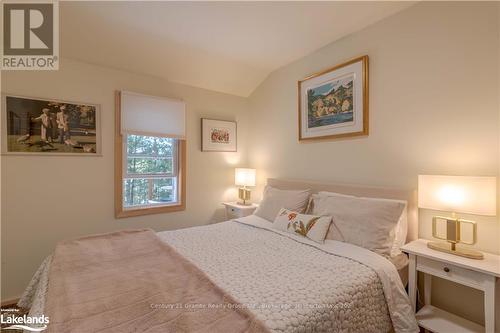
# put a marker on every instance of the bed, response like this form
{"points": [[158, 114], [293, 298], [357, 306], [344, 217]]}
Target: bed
{"points": [[289, 283]]}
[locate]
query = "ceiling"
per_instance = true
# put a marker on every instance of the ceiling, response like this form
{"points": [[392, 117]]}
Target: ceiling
{"points": [[229, 47]]}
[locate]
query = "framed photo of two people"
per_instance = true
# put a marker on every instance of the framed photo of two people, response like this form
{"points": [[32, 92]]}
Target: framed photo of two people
{"points": [[49, 127]]}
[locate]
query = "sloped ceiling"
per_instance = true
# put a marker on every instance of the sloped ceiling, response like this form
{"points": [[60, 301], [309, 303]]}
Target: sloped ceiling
{"points": [[228, 47]]}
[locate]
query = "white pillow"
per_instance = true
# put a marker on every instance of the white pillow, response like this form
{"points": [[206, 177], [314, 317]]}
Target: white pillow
{"points": [[401, 229], [361, 221], [274, 199], [310, 226], [401, 232]]}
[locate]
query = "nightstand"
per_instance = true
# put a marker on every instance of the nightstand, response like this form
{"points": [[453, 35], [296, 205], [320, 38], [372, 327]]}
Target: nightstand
{"points": [[235, 210], [478, 274]]}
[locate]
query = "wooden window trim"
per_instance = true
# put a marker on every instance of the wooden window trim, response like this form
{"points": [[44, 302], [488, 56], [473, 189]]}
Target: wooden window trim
{"points": [[120, 212]]}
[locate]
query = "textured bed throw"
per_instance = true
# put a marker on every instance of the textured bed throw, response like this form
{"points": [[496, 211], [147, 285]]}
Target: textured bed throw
{"points": [[131, 281]]}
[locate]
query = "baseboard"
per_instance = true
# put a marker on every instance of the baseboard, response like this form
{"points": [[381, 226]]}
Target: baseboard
{"points": [[10, 301]]}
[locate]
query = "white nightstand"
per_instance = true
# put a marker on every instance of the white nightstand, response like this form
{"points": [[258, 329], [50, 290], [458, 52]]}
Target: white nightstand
{"points": [[478, 274], [235, 210]]}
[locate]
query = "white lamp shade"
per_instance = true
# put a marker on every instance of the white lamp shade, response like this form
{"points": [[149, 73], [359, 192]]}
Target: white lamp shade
{"points": [[244, 177], [460, 194], [151, 115]]}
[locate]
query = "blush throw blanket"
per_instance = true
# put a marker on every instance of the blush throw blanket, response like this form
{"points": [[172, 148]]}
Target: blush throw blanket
{"points": [[131, 281]]}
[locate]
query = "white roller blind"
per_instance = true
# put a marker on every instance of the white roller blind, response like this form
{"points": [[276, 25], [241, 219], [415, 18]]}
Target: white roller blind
{"points": [[151, 115]]}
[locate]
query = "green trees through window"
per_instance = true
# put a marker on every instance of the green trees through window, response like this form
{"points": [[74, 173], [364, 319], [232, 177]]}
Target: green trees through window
{"points": [[150, 176]]}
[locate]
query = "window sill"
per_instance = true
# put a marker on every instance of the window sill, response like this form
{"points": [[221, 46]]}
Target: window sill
{"points": [[150, 210]]}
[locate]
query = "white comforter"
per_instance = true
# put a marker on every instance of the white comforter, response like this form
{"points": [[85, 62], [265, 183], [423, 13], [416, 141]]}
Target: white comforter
{"points": [[290, 283]]}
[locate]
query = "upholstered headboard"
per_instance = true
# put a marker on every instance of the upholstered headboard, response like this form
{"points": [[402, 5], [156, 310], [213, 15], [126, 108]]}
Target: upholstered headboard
{"points": [[362, 191]]}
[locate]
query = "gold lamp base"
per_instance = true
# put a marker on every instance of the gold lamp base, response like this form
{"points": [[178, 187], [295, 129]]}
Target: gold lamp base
{"points": [[244, 195], [451, 248], [453, 236]]}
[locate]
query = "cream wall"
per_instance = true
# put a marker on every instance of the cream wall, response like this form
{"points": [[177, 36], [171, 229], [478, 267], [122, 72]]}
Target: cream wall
{"points": [[433, 110], [47, 199], [497, 315]]}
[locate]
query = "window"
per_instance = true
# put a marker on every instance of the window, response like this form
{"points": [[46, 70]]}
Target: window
{"points": [[150, 168], [150, 172]]}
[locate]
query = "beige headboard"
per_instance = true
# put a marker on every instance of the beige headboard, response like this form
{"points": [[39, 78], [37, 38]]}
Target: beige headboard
{"points": [[362, 191]]}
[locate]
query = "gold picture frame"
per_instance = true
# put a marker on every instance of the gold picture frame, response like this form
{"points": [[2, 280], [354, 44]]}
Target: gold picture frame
{"points": [[339, 106]]}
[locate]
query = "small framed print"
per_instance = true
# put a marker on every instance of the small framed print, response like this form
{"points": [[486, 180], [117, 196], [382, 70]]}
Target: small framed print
{"points": [[334, 102], [218, 135]]}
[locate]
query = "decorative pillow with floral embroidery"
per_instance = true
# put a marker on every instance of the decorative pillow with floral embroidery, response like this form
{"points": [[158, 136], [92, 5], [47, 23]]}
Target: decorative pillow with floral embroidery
{"points": [[311, 226]]}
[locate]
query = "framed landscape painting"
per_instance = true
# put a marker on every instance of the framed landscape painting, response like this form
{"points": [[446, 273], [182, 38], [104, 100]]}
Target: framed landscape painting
{"points": [[334, 103], [49, 127], [218, 135]]}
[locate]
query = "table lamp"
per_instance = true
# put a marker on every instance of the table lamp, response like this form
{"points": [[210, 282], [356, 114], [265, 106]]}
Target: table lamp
{"points": [[456, 194], [244, 177]]}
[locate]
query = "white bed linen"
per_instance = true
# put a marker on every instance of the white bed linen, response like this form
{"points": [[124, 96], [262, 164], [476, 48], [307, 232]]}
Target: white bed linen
{"points": [[401, 312], [286, 269]]}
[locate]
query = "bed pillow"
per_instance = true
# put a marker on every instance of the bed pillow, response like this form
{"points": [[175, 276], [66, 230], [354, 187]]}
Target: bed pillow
{"points": [[310, 226], [274, 199], [401, 232], [401, 229], [360, 221]]}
